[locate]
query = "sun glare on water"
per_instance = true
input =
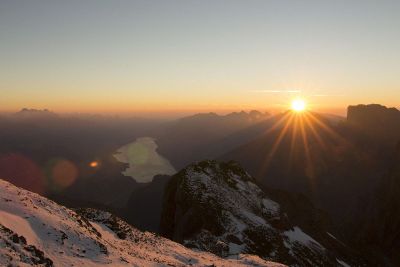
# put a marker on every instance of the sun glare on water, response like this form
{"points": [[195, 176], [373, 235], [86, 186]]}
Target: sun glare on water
{"points": [[298, 105]]}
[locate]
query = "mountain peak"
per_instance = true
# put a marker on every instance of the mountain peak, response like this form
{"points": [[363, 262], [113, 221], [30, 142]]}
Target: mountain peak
{"points": [[218, 207], [375, 109], [35, 113], [376, 121]]}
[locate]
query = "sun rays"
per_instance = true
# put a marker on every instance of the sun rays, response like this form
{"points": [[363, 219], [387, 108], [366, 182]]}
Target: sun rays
{"points": [[306, 133]]}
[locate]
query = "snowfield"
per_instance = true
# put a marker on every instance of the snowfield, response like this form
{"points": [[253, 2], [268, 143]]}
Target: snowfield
{"points": [[37, 231]]}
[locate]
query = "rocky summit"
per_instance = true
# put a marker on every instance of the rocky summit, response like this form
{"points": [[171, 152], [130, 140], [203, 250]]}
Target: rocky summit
{"points": [[219, 208]]}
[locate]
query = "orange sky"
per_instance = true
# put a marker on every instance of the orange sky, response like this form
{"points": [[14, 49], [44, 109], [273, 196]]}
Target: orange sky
{"points": [[198, 56]]}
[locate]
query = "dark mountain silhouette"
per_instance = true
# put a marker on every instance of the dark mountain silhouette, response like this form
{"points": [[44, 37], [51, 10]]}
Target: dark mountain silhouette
{"points": [[144, 206], [386, 233], [376, 224], [192, 138], [336, 165], [27, 113], [376, 121]]}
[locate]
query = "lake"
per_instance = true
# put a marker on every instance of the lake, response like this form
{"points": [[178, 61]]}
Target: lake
{"points": [[144, 160]]}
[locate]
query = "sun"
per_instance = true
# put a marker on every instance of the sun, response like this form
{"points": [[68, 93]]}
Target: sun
{"points": [[298, 105]]}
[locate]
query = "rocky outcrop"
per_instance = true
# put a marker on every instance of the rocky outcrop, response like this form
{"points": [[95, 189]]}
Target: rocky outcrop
{"points": [[376, 227], [376, 121], [218, 207]]}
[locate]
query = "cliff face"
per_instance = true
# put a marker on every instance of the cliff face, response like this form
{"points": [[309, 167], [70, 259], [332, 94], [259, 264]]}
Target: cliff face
{"points": [[377, 224], [376, 121], [218, 207], [387, 227]]}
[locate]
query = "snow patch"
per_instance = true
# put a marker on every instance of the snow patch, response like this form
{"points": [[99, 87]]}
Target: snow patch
{"points": [[297, 235], [270, 205], [69, 239], [18, 225], [342, 263], [254, 218], [235, 249]]}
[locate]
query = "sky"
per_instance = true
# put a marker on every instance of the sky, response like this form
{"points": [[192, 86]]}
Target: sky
{"points": [[174, 56]]}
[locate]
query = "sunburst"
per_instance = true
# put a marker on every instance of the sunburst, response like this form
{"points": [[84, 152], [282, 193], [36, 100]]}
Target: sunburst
{"points": [[298, 105]]}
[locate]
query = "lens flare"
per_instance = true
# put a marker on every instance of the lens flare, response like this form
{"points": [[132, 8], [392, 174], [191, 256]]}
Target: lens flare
{"points": [[94, 164], [22, 171], [64, 173]]}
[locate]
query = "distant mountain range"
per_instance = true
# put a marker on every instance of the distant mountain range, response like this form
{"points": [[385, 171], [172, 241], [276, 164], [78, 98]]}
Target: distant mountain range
{"points": [[199, 136], [27, 113]]}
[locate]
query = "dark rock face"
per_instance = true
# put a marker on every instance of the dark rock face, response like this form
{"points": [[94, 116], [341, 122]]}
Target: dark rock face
{"points": [[376, 121], [377, 225], [119, 227], [218, 207], [144, 206], [374, 113]]}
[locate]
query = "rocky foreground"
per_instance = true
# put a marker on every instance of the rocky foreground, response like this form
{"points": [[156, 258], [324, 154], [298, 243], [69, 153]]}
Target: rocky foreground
{"points": [[37, 231]]}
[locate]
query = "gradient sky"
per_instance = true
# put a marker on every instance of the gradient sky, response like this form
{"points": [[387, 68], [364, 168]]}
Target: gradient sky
{"points": [[143, 56]]}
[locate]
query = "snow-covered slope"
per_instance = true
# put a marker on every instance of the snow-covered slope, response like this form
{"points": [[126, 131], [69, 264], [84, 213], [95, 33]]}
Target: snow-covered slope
{"points": [[218, 207], [37, 231]]}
